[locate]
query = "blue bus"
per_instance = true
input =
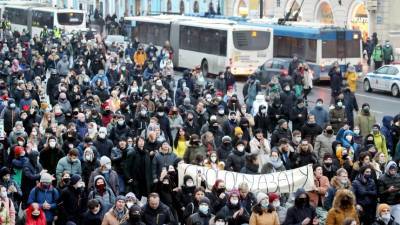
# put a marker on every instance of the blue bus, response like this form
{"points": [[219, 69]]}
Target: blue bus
{"points": [[318, 45]]}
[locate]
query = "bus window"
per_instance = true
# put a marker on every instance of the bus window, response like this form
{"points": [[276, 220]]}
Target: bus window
{"points": [[16, 16], [251, 40], [286, 47], [341, 49], [41, 19], [70, 18]]}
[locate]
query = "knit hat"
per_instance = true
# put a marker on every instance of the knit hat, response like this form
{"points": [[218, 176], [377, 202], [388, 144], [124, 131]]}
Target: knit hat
{"points": [[281, 121], [130, 196], [382, 207], [226, 139], [261, 196], [19, 123], [120, 198], [327, 156], [233, 192], [46, 178], [74, 179], [18, 150], [238, 131], [104, 160], [204, 200], [273, 196]]}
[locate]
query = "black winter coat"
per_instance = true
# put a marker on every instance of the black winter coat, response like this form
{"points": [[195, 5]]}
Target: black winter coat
{"points": [[72, 204], [274, 113], [279, 134], [228, 211], [119, 132], [298, 116], [160, 216], [365, 192], [88, 218], [138, 168], [103, 146], [310, 131], [49, 159], [235, 161], [199, 219], [288, 100]]}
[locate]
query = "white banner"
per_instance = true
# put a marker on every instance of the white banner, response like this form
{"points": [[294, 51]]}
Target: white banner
{"points": [[281, 182]]}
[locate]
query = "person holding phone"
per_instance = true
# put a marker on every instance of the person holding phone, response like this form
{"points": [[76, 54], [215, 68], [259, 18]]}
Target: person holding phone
{"points": [[388, 188]]}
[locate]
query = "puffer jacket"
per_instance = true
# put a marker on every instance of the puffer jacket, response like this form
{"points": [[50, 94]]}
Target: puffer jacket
{"points": [[385, 182], [235, 161], [338, 213], [338, 118], [161, 160], [64, 164], [365, 121], [323, 144], [193, 152], [365, 191]]}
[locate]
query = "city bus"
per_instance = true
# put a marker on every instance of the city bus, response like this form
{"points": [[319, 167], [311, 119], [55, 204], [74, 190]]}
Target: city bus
{"points": [[34, 18], [212, 44], [317, 44]]}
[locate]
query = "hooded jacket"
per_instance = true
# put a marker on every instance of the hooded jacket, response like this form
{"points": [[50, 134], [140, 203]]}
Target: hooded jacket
{"points": [[386, 131], [162, 215], [385, 182], [339, 213], [297, 213], [112, 181], [107, 198]]}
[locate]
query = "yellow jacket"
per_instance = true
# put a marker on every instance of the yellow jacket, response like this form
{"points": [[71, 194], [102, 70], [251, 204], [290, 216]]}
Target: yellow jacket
{"points": [[139, 58], [351, 78]]}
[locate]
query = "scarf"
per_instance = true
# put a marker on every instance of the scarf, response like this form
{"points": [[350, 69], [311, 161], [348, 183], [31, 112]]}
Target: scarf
{"points": [[276, 163], [119, 214]]}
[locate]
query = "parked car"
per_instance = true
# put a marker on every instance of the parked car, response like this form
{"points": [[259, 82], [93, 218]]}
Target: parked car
{"points": [[386, 78]]}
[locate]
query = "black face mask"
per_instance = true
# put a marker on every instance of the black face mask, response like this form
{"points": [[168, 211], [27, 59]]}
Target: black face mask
{"points": [[328, 164], [330, 132], [221, 190]]}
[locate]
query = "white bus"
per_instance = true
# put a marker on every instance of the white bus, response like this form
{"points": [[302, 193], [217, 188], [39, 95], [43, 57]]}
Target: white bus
{"points": [[35, 18], [212, 44]]}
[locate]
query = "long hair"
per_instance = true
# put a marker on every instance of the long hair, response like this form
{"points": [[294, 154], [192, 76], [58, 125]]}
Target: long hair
{"points": [[259, 210]]}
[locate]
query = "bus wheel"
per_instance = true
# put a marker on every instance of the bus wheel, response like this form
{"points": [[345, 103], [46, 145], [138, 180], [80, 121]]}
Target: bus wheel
{"points": [[204, 67]]}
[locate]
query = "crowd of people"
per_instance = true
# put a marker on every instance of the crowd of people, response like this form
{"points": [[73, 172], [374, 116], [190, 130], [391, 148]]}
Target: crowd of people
{"points": [[94, 135]]}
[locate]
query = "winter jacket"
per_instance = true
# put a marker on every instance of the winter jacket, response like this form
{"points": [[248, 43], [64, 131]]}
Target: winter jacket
{"points": [[63, 67], [228, 210], [350, 103], [386, 131], [317, 197], [351, 78], [379, 221], [278, 134], [264, 219], [198, 219], [335, 186], [365, 121], [138, 168], [119, 157], [88, 218], [365, 191], [321, 116], [193, 152], [223, 152], [41, 195], [103, 146], [162, 215], [49, 159], [111, 179], [304, 158], [288, 99], [385, 182], [310, 131], [298, 116], [235, 161], [338, 214], [323, 145], [72, 204], [161, 160], [297, 213], [31, 173], [377, 54], [65, 164], [110, 217], [337, 118]]}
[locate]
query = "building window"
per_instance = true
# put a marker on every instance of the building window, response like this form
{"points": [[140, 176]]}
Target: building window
{"points": [[169, 6], [278, 3], [196, 7], [182, 7]]}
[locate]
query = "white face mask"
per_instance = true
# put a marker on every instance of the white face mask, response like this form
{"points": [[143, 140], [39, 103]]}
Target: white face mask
{"points": [[129, 204], [240, 148], [189, 184], [102, 135], [219, 223], [297, 139], [234, 201], [213, 159], [357, 132], [349, 138], [386, 216], [121, 122], [3, 194], [276, 204], [20, 143], [52, 144], [263, 111], [108, 166], [221, 111], [88, 157]]}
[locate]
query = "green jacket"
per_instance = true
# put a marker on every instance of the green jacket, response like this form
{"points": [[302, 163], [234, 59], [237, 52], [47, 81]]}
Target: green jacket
{"points": [[387, 52], [364, 122], [377, 54]]}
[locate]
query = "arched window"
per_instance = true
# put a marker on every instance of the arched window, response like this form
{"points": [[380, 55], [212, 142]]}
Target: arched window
{"points": [[182, 7], [169, 6], [196, 7], [325, 14]]}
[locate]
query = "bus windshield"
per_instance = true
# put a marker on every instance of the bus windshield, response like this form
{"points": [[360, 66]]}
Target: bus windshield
{"points": [[251, 40], [70, 18]]}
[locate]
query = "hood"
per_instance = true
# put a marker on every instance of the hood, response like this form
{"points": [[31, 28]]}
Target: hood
{"points": [[345, 142], [99, 177], [386, 121], [299, 192], [340, 194], [391, 163]]}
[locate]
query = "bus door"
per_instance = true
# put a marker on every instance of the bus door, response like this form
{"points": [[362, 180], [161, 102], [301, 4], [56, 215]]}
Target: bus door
{"points": [[174, 40]]}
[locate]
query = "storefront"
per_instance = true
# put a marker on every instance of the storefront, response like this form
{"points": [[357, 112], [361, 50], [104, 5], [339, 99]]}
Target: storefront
{"points": [[247, 8]]}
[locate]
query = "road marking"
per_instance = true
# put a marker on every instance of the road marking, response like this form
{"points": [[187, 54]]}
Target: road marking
{"points": [[366, 96], [377, 112]]}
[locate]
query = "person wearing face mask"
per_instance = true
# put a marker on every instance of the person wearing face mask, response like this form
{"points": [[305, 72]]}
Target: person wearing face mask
{"points": [[109, 175], [261, 120], [337, 115], [233, 211], [10, 114], [194, 149], [70, 163], [323, 142], [18, 134], [301, 212], [320, 113], [225, 149], [102, 191], [250, 90], [120, 130], [46, 195], [365, 119], [31, 173], [94, 214], [298, 114], [344, 207], [288, 100], [310, 130], [236, 159], [33, 215], [213, 162], [263, 213], [135, 216], [65, 179], [366, 194], [251, 165], [379, 139], [13, 190], [281, 131], [336, 80], [347, 141], [203, 215], [388, 188], [103, 144], [383, 216], [329, 166], [340, 181], [274, 164], [50, 155], [89, 163]]}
